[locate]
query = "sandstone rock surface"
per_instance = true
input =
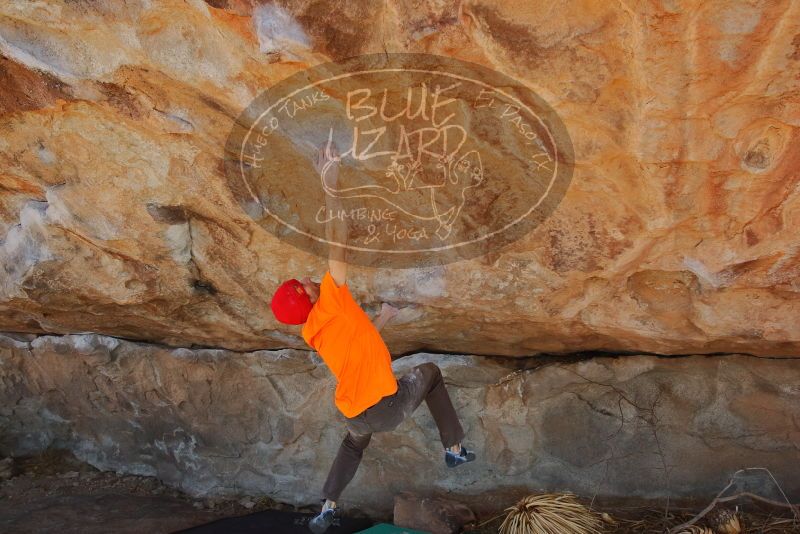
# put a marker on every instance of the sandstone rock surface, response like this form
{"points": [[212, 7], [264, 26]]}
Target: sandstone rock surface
{"points": [[435, 515], [216, 422], [678, 234]]}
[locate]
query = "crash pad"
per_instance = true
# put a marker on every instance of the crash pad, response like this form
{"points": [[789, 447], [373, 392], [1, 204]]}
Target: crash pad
{"points": [[385, 528], [275, 522]]}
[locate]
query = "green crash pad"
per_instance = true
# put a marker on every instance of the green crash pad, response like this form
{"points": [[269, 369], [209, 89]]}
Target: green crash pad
{"points": [[384, 528]]}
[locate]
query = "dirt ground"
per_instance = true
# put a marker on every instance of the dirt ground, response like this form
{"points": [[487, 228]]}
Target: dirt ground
{"points": [[55, 492], [644, 519]]}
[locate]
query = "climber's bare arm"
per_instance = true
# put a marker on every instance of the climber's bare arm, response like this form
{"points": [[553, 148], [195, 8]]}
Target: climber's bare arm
{"points": [[387, 312], [336, 230]]}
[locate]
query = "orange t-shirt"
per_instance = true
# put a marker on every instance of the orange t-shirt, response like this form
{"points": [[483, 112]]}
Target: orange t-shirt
{"points": [[352, 348]]}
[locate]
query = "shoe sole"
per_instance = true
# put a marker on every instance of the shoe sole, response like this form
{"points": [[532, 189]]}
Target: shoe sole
{"points": [[462, 462]]}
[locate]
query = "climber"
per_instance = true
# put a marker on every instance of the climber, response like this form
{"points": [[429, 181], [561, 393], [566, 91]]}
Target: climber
{"points": [[367, 393]]}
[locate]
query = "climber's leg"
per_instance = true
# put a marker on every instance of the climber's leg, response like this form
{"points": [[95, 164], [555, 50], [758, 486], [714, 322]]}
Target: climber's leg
{"points": [[345, 464], [425, 382]]}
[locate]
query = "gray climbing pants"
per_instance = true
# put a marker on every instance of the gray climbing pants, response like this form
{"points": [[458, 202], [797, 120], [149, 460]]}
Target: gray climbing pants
{"points": [[422, 382]]}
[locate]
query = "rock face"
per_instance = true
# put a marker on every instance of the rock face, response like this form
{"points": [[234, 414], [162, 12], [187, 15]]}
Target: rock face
{"points": [[263, 423], [434, 515], [678, 233]]}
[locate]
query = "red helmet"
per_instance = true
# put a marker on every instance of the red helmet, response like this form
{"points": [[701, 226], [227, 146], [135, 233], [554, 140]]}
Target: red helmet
{"points": [[290, 303]]}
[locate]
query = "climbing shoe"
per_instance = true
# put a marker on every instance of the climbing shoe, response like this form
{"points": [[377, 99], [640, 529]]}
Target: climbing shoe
{"points": [[321, 522], [454, 460]]}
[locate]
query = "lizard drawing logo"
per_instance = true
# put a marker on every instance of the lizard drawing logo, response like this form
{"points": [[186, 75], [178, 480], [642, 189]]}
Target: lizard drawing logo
{"points": [[412, 188]]}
